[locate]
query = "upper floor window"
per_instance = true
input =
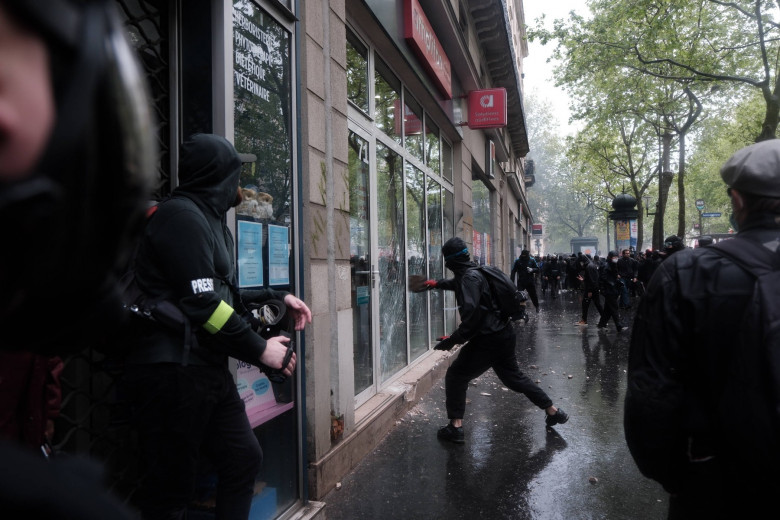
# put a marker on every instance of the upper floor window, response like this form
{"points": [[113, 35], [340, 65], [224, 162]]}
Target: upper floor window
{"points": [[357, 72], [387, 101]]}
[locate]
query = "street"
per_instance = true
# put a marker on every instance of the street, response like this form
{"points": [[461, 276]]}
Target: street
{"points": [[511, 467]]}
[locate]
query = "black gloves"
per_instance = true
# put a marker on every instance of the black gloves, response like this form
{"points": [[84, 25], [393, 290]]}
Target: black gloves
{"points": [[445, 343]]}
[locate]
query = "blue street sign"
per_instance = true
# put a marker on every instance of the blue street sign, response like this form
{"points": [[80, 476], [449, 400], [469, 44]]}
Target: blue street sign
{"points": [[710, 214]]}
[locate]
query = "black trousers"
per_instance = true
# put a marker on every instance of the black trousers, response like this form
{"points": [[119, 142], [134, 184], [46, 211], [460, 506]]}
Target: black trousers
{"points": [[496, 351], [610, 310], [181, 413], [531, 288], [586, 303]]}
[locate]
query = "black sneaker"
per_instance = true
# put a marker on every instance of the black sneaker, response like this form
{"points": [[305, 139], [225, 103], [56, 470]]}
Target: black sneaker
{"points": [[452, 434], [621, 328], [559, 417], [602, 325]]}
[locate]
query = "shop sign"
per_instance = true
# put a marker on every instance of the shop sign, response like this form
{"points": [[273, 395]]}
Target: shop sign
{"points": [[487, 108], [536, 229], [423, 41]]}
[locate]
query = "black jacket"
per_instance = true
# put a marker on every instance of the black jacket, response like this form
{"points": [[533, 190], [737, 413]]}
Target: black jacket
{"points": [[608, 280], [520, 269], [187, 255], [685, 345], [590, 276], [478, 315]]}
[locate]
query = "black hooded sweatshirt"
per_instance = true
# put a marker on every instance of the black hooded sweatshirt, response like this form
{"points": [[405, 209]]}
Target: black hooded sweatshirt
{"points": [[187, 255], [478, 315]]}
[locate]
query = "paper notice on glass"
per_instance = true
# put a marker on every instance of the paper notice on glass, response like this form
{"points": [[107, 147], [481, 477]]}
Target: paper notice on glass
{"points": [[278, 255], [250, 253]]}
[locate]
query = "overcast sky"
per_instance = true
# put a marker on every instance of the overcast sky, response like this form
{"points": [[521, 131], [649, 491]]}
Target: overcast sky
{"points": [[538, 79]]}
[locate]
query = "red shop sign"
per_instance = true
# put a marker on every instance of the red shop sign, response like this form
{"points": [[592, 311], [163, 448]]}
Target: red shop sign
{"points": [[421, 38], [487, 108]]}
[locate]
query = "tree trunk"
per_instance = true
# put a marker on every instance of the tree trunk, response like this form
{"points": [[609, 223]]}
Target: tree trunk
{"points": [[681, 224], [664, 182], [772, 114]]}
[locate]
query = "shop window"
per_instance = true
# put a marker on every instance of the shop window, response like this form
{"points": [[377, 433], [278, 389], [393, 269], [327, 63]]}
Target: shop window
{"points": [[448, 229], [446, 160], [432, 146], [392, 271], [357, 72], [360, 261], [435, 261], [480, 195], [416, 230], [413, 127], [387, 101]]}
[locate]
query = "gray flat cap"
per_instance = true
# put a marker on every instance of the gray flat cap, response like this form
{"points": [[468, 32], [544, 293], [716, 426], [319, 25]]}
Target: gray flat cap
{"points": [[755, 169]]}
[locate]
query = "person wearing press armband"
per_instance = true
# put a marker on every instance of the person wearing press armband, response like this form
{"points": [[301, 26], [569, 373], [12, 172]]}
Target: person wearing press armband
{"points": [[185, 404], [490, 343]]}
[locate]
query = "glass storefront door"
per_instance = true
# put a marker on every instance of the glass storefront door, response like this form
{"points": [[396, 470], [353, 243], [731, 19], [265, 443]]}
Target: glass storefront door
{"points": [[263, 113], [361, 262]]}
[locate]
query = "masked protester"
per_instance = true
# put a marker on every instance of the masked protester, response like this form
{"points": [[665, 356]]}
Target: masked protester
{"points": [[524, 275], [609, 284], [490, 343]]}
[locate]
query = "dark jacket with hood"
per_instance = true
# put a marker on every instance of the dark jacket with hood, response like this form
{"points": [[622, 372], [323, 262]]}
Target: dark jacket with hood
{"points": [[187, 255], [590, 274], [478, 314], [609, 281], [525, 277]]}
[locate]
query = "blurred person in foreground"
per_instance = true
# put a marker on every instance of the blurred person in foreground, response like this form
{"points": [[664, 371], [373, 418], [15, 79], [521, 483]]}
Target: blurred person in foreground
{"points": [[702, 414], [77, 159]]}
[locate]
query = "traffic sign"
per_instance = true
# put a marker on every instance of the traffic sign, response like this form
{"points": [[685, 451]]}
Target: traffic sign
{"points": [[700, 204], [710, 214]]}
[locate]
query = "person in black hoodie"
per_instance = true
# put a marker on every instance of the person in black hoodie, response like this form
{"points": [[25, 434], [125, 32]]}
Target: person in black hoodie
{"points": [[589, 276], [490, 343], [525, 268], [186, 403], [609, 284]]}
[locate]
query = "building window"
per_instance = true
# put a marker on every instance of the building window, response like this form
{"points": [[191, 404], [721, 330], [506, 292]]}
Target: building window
{"points": [[357, 72], [387, 101], [413, 127], [446, 160], [432, 146], [480, 205]]}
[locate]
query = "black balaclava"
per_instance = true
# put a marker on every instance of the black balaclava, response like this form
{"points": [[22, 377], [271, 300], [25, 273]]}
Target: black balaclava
{"points": [[456, 255]]}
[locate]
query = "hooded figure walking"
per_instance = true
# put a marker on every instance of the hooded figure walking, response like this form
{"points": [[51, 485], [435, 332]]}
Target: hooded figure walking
{"points": [[490, 343]]}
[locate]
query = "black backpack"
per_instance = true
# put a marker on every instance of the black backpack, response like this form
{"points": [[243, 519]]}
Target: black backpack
{"points": [[507, 299], [752, 384]]}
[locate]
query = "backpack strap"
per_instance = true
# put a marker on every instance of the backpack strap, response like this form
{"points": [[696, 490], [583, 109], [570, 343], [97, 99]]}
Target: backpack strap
{"points": [[750, 255]]}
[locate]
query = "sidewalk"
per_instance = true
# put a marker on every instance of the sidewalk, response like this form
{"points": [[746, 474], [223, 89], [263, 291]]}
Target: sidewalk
{"points": [[511, 466]]}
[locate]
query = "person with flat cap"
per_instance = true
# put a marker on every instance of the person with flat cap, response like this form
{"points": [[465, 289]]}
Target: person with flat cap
{"points": [[490, 343], [702, 409]]}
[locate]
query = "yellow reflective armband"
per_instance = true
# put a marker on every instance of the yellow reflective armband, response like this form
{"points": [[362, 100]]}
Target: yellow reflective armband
{"points": [[218, 319]]}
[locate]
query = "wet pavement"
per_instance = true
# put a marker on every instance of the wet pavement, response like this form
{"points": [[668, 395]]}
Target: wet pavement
{"points": [[512, 466]]}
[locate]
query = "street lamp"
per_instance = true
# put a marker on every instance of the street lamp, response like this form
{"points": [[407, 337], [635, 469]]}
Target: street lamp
{"points": [[646, 198]]}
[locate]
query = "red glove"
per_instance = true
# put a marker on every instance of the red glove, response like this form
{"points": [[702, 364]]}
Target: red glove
{"points": [[429, 284]]}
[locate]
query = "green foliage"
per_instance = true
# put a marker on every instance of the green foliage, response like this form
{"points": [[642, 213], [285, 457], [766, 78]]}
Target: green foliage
{"points": [[691, 74]]}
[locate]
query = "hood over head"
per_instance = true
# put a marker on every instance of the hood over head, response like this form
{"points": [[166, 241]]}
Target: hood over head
{"points": [[456, 254], [209, 168]]}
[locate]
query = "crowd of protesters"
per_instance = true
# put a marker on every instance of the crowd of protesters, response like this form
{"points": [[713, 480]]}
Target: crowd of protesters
{"points": [[611, 283]]}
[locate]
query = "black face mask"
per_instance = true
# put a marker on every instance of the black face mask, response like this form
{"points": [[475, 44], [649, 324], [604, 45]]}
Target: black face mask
{"points": [[73, 223]]}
